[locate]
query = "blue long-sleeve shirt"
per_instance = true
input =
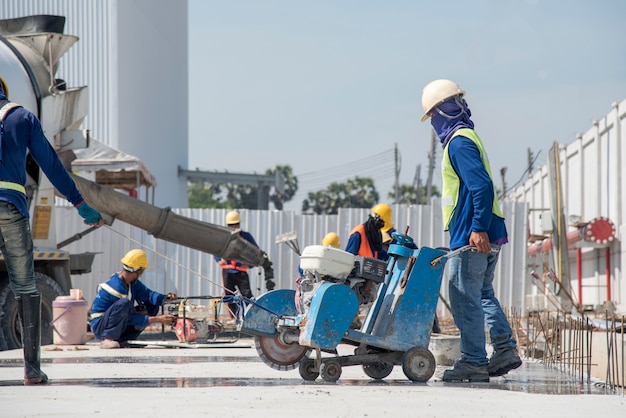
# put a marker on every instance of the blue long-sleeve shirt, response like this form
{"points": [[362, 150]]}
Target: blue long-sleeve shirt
{"points": [[473, 212], [21, 132], [138, 292]]}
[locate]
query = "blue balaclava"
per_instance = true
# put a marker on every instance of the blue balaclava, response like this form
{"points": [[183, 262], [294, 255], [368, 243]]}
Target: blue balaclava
{"points": [[450, 116]]}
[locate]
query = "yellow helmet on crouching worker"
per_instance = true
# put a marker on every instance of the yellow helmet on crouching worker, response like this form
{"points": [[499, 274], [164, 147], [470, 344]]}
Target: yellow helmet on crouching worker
{"points": [[135, 260], [384, 211], [437, 92], [233, 218], [331, 240]]}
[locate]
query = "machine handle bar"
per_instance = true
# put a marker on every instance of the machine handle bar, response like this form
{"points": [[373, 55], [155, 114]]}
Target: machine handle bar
{"points": [[456, 252]]}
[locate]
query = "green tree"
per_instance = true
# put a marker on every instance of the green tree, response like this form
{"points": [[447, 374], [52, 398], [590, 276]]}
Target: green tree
{"points": [[409, 194], [290, 186], [359, 192], [229, 195], [203, 195]]}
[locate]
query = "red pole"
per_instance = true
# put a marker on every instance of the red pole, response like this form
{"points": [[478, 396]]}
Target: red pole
{"points": [[579, 273], [608, 273]]}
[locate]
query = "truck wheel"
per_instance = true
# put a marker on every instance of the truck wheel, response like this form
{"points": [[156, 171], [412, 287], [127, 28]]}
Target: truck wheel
{"points": [[9, 323]]}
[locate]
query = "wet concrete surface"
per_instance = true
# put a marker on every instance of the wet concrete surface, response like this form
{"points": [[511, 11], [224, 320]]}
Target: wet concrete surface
{"points": [[240, 384], [532, 377]]}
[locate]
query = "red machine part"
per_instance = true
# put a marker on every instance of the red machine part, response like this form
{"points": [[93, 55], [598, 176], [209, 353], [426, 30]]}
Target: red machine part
{"points": [[186, 330]]}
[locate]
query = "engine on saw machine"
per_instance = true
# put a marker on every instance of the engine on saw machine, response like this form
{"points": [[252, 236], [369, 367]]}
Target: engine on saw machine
{"points": [[321, 264]]}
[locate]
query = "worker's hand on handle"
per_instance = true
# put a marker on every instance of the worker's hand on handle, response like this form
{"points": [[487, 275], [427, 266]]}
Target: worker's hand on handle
{"points": [[165, 319], [481, 241], [171, 296], [89, 214]]}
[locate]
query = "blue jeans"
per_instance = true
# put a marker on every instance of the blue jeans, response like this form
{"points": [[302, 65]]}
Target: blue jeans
{"points": [[475, 306], [16, 244]]}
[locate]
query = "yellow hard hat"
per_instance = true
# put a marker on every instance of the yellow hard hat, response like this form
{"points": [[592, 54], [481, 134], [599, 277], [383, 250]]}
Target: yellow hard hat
{"points": [[135, 260], [4, 87], [233, 217], [384, 211], [331, 240], [437, 92]]}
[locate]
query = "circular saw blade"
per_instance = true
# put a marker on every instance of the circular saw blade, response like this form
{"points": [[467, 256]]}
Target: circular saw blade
{"points": [[278, 355]]}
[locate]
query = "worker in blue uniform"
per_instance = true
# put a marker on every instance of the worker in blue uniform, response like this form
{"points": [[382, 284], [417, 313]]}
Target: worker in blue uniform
{"points": [[21, 134], [472, 215], [124, 306], [235, 274]]}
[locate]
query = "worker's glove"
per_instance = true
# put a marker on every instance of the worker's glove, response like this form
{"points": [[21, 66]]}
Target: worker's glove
{"points": [[89, 214], [270, 285]]}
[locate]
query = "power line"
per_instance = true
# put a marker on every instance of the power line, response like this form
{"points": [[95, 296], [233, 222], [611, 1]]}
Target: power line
{"points": [[379, 166]]}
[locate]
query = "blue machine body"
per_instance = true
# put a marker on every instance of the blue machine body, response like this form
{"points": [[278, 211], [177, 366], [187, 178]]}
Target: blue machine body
{"points": [[404, 311], [396, 329], [400, 318], [333, 308], [262, 317]]}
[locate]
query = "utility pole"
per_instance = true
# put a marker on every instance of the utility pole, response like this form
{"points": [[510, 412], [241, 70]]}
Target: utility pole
{"points": [[503, 175], [417, 185], [530, 163], [396, 186], [431, 163]]}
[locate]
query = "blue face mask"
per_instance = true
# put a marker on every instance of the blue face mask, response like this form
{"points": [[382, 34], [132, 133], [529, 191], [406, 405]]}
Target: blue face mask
{"points": [[450, 116]]}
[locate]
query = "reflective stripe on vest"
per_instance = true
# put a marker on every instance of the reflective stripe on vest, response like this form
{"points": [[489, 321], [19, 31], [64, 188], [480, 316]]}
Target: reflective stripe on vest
{"points": [[452, 183], [107, 288], [364, 248], [12, 186], [232, 265]]}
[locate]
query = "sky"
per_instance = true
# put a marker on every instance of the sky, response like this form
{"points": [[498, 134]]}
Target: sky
{"points": [[333, 88]]}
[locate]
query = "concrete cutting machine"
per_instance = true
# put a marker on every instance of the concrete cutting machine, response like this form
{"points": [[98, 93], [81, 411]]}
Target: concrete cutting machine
{"points": [[321, 313]]}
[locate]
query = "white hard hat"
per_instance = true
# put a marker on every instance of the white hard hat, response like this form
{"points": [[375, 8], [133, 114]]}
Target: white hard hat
{"points": [[437, 92]]}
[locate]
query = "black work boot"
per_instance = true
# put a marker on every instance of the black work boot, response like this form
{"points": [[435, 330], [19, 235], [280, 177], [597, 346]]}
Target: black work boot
{"points": [[29, 309], [503, 361], [466, 372]]}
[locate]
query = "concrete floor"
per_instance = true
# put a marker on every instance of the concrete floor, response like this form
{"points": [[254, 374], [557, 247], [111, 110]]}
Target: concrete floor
{"points": [[229, 379]]}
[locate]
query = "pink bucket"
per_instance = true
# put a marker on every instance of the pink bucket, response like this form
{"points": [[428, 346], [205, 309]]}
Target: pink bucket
{"points": [[70, 319]]}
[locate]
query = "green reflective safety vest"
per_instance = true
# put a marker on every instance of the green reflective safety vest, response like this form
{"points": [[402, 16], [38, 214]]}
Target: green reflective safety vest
{"points": [[451, 181]]}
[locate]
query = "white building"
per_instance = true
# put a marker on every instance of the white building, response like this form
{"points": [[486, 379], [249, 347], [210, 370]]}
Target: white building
{"points": [[592, 183], [133, 56]]}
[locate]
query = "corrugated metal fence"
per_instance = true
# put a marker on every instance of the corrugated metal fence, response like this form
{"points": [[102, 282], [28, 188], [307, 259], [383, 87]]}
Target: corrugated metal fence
{"points": [[192, 273], [594, 186]]}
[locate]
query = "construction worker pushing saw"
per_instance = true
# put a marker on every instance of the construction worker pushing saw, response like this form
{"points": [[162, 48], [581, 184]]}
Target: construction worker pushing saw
{"points": [[471, 214]]}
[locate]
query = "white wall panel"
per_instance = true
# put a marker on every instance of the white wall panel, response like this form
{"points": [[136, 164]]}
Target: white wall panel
{"points": [[593, 186]]}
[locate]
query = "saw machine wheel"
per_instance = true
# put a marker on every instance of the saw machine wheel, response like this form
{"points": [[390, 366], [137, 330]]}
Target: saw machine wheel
{"points": [[378, 369], [308, 370], [278, 355], [418, 364], [330, 370]]}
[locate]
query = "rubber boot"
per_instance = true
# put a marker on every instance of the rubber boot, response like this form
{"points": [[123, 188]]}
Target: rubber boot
{"points": [[29, 309]]}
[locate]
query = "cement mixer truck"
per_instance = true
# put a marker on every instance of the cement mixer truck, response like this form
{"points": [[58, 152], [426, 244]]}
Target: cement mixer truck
{"points": [[30, 50]]}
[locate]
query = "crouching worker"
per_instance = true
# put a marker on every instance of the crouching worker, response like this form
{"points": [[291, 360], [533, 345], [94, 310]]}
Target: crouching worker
{"points": [[114, 317]]}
